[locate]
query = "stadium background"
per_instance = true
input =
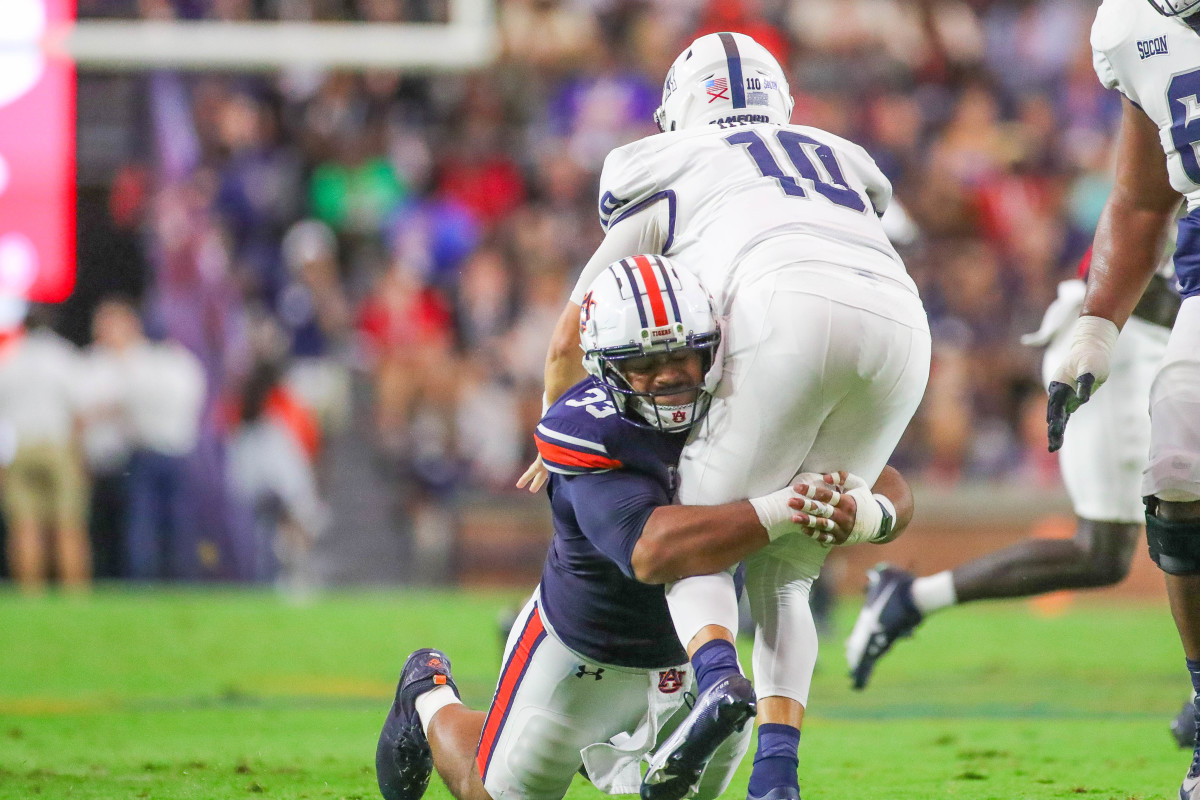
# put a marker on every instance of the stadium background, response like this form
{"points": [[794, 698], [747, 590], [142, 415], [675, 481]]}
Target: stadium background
{"points": [[383, 252], [366, 265]]}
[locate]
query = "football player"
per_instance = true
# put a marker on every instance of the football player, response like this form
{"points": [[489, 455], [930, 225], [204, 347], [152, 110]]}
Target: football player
{"points": [[1102, 459], [827, 349], [1150, 51], [593, 673]]}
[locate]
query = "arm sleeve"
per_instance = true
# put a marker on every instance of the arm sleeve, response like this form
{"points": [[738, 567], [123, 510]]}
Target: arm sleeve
{"points": [[612, 508], [877, 185]]}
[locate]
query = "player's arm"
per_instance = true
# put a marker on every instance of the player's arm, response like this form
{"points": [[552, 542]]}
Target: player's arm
{"points": [[1127, 249], [1134, 224], [681, 541]]}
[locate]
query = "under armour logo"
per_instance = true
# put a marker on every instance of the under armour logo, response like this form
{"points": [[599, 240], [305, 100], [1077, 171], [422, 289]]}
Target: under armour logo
{"points": [[597, 673]]}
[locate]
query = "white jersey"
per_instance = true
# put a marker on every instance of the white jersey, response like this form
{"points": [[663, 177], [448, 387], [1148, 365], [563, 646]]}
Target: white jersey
{"points": [[1155, 62], [710, 195]]}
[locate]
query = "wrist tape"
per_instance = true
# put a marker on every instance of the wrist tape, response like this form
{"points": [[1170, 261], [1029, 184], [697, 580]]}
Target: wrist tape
{"points": [[873, 519]]}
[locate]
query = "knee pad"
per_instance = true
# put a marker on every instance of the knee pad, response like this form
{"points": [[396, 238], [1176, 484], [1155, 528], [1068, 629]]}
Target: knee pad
{"points": [[1174, 544]]}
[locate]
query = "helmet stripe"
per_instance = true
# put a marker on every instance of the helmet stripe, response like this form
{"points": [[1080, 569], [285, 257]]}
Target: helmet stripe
{"points": [[735, 70], [653, 290], [637, 294], [662, 268]]}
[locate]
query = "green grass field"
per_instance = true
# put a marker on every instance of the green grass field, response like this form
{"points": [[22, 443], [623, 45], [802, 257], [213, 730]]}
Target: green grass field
{"points": [[233, 694]]}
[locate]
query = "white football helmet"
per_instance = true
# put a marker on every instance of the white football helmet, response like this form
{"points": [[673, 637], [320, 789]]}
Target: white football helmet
{"points": [[642, 306], [1175, 8], [724, 77]]}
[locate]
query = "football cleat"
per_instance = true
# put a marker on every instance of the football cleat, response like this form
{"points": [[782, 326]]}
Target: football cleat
{"points": [[887, 615], [403, 760], [719, 712], [778, 793], [1190, 790], [1183, 727]]}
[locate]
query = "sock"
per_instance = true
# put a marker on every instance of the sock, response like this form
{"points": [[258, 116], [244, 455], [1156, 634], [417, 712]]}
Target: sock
{"points": [[713, 661], [433, 701], [1194, 670], [776, 760], [934, 592]]}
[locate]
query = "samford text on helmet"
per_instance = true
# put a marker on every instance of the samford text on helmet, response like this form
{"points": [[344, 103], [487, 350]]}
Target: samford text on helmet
{"points": [[642, 306], [724, 78], [1176, 8]]}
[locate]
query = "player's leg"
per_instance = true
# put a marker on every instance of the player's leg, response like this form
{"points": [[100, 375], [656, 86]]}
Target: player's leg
{"points": [[785, 654], [1172, 486], [549, 707], [704, 610], [1101, 461], [763, 432]]}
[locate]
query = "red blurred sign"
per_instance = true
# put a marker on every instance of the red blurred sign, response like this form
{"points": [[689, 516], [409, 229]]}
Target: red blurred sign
{"points": [[37, 154]]}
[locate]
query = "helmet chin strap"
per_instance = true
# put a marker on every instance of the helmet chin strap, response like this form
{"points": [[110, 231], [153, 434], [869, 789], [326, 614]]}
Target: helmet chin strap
{"points": [[668, 418]]}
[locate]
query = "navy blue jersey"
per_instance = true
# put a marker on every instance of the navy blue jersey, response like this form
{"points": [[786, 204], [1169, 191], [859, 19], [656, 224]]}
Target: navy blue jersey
{"points": [[606, 477]]}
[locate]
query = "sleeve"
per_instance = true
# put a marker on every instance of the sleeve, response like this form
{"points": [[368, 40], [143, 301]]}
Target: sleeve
{"points": [[612, 508], [624, 183], [1108, 31], [876, 184], [1104, 69], [569, 449]]}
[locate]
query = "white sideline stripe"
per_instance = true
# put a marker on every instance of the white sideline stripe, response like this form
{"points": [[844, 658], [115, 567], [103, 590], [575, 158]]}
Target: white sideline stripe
{"points": [[562, 437]]}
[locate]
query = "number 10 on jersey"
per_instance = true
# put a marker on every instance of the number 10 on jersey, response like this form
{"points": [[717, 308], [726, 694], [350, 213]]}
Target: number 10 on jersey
{"points": [[797, 147]]}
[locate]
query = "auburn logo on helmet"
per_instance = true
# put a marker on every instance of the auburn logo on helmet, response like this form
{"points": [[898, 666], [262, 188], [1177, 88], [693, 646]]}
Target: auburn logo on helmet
{"points": [[585, 311], [670, 681]]}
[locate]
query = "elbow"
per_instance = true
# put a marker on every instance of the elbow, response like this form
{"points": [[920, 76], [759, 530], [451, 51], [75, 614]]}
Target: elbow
{"points": [[651, 562]]}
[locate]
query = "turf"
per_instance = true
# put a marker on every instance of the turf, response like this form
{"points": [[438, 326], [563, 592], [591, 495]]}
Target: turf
{"points": [[233, 694]]}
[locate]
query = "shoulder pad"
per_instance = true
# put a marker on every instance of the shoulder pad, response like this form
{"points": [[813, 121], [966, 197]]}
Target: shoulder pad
{"points": [[572, 438]]}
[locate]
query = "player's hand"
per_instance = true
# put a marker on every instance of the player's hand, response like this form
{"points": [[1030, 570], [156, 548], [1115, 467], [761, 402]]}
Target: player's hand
{"points": [[535, 476], [823, 509], [1084, 371]]}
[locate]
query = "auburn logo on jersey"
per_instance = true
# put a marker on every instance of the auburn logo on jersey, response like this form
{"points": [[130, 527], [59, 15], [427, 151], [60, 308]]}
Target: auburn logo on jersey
{"points": [[670, 680]]}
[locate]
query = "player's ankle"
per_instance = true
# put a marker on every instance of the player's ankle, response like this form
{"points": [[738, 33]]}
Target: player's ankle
{"points": [[713, 662], [776, 760], [933, 592]]}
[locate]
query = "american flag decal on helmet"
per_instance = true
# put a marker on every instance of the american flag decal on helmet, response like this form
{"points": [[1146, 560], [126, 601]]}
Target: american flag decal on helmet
{"points": [[717, 88]]}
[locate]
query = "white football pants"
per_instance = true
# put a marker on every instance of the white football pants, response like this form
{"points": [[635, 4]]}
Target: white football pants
{"points": [[1174, 470], [555, 710], [824, 368]]}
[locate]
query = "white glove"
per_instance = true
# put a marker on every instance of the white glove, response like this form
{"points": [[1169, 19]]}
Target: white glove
{"points": [[1085, 370]]}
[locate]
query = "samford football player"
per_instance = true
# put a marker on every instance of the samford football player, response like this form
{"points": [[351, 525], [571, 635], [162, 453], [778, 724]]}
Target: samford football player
{"points": [[1150, 52], [1102, 457], [594, 676]]}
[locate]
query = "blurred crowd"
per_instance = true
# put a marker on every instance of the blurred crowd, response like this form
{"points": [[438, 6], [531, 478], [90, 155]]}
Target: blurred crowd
{"points": [[418, 234]]}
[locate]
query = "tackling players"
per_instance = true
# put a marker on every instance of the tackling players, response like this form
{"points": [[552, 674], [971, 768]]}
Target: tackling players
{"points": [[593, 673], [827, 352]]}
